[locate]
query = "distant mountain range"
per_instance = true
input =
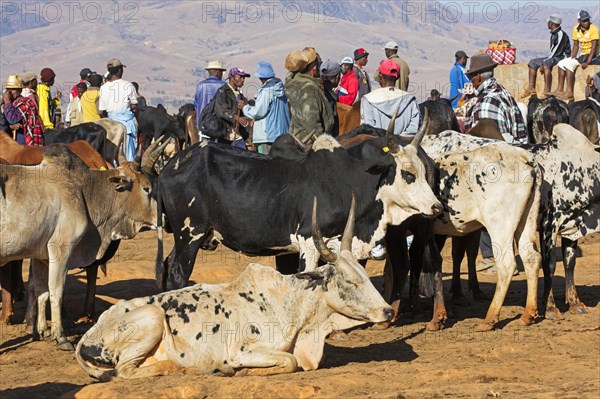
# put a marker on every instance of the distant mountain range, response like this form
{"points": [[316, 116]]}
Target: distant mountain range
{"points": [[166, 44]]}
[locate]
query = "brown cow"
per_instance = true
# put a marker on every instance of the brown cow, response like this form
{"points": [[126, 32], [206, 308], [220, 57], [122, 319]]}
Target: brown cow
{"points": [[349, 117], [17, 154], [13, 153]]}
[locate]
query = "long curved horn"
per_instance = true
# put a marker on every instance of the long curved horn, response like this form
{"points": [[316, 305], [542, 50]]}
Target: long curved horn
{"points": [[151, 155], [390, 133], [349, 229], [325, 253], [422, 130]]}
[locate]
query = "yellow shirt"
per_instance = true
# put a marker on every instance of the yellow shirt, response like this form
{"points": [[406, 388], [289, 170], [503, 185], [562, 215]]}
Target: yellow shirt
{"points": [[89, 104], [45, 107], [585, 38]]}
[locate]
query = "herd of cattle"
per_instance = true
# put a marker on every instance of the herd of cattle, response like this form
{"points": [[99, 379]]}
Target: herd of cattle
{"points": [[68, 205]]}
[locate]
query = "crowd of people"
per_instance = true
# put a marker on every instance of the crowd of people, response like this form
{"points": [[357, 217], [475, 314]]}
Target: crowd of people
{"points": [[28, 107], [305, 103]]}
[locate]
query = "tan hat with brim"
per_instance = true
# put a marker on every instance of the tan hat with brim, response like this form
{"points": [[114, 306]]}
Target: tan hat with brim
{"points": [[481, 63], [14, 82], [215, 65]]}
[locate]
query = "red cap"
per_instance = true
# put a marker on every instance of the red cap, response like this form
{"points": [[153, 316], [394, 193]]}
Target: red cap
{"points": [[390, 68]]}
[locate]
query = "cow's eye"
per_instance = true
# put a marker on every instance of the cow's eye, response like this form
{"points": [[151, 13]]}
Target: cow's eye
{"points": [[408, 177], [147, 190]]}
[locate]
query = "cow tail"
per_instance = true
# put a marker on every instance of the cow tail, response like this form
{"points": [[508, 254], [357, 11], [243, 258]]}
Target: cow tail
{"points": [[431, 260], [160, 266]]}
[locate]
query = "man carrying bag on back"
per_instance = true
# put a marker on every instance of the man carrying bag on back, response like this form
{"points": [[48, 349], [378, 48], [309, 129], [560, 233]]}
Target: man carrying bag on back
{"points": [[222, 118]]}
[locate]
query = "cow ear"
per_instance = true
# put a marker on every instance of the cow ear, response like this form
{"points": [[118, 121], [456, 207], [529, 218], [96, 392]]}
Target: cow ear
{"points": [[160, 106], [122, 183], [380, 167], [314, 279]]}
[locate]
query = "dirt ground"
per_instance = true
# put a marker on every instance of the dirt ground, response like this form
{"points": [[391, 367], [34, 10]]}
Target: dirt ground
{"points": [[550, 359]]}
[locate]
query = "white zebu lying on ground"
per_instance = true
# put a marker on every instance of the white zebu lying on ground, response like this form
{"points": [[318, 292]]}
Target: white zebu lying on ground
{"points": [[491, 184], [260, 324]]}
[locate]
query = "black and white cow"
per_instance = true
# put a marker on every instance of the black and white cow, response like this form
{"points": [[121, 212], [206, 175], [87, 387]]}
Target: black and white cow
{"points": [[543, 115], [256, 204], [491, 184], [570, 206], [262, 323]]}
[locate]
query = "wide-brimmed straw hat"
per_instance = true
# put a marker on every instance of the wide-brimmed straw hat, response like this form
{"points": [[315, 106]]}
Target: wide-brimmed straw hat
{"points": [[14, 82]]}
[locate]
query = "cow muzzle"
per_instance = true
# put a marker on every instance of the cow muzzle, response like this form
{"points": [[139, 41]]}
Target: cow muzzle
{"points": [[382, 315], [388, 313]]}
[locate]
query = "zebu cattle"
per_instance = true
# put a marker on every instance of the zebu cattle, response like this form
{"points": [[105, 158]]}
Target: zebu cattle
{"points": [[348, 116], [584, 116], [570, 206], [477, 177], [442, 115], [366, 143], [155, 122], [263, 323], [543, 115], [256, 204], [82, 212], [115, 135], [17, 154], [94, 134], [187, 113], [13, 153]]}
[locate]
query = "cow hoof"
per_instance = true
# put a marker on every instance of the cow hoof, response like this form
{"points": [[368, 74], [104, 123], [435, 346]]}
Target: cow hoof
{"points": [[578, 309], [29, 328], [553, 313], [66, 346], [435, 326], [384, 325], [242, 372], [337, 336], [484, 326], [527, 319]]}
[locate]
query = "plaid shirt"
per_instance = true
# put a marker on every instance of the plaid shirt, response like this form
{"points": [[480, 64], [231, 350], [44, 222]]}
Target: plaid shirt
{"points": [[495, 102], [24, 111]]}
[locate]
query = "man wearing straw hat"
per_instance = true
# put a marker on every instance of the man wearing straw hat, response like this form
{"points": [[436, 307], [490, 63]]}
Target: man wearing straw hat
{"points": [[207, 88], [21, 114]]}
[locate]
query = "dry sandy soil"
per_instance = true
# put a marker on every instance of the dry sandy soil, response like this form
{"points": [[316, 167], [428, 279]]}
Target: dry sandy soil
{"points": [[546, 360]]}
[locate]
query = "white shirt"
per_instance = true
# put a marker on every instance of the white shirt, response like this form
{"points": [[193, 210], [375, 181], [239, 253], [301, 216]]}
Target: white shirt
{"points": [[117, 96]]}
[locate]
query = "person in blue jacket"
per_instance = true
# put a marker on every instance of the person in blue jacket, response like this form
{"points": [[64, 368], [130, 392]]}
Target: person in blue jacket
{"points": [[207, 88], [458, 78], [270, 112]]}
